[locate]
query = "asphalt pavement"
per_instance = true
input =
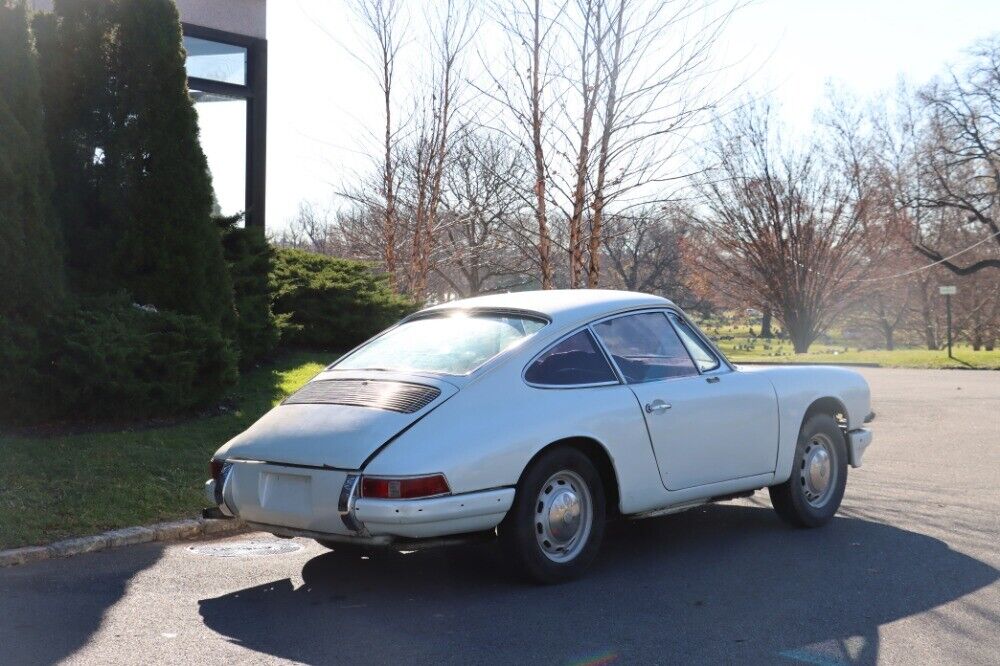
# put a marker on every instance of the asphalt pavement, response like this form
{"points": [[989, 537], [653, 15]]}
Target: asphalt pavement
{"points": [[907, 573]]}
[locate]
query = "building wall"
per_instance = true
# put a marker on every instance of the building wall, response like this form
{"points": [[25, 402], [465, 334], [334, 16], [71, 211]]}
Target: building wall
{"points": [[245, 17]]}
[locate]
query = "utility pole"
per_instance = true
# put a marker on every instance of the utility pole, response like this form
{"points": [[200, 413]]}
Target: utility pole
{"points": [[947, 293]]}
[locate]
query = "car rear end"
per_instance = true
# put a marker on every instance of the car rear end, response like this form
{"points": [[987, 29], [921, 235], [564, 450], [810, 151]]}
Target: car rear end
{"points": [[299, 471]]}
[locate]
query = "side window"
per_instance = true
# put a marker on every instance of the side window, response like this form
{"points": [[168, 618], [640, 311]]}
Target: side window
{"points": [[645, 347], [701, 354], [575, 360]]}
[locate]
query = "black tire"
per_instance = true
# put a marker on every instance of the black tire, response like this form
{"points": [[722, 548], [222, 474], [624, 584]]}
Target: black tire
{"points": [[795, 500], [518, 530]]}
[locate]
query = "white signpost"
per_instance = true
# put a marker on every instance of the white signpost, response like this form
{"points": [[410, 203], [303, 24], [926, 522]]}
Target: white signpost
{"points": [[948, 291]]}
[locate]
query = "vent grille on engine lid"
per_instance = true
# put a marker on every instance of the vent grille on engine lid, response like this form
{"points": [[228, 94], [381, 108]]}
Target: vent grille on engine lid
{"points": [[394, 396]]}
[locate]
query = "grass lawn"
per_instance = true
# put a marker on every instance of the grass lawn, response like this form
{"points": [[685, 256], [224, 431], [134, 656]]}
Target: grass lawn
{"points": [[73, 485], [778, 351]]}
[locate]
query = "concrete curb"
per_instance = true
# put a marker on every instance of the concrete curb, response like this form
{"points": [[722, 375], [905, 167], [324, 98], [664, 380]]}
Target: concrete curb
{"points": [[172, 531]]}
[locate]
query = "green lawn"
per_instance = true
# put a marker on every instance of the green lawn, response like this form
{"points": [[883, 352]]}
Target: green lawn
{"points": [[777, 351], [73, 485]]}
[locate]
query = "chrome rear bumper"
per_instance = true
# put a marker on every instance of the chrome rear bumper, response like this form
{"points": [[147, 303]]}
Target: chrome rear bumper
{"points": [[296, 501]]}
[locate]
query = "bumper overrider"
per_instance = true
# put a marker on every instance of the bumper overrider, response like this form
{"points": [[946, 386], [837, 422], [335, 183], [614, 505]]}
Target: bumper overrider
{"points": [[324, 503]]}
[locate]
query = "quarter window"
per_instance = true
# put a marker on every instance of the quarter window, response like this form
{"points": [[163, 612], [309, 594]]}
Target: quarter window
{"points": [[576, 360], [645, 347], [703, 357]]}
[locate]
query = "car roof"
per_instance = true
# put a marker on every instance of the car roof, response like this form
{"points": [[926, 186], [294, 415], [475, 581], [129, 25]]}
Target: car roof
{"points": [[562, 306]]}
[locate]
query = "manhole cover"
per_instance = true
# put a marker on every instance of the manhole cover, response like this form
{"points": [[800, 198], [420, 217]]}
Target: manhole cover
{"points": [[255, 548]]}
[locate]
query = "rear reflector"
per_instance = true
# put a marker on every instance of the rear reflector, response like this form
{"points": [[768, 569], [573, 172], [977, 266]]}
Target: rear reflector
{"points": [[411, 488]]}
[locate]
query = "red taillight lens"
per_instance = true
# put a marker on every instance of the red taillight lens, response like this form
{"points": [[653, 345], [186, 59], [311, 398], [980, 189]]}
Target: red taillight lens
{"points": [[215, 468], [418, 486]]}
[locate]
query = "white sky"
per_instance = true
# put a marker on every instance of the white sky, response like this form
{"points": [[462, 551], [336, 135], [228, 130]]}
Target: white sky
{"points": [[323, 107]]}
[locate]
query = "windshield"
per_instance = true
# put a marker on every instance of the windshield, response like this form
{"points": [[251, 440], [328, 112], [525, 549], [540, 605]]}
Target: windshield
{"points": [[454, 344]]}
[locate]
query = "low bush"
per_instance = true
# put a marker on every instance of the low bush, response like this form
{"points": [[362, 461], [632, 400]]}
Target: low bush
{"points": [[250, 259], [330, 303], [111, 359]]}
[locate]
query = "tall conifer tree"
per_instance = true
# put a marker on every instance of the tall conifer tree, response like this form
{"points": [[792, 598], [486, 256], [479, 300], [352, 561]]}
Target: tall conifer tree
{"points": [[30, 264], [123, 131]]}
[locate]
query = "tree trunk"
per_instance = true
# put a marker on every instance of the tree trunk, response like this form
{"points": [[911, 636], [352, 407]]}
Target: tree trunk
{"points": [[890, 342], [801, 338], [765, 325], [926, 311], [544, 259]]}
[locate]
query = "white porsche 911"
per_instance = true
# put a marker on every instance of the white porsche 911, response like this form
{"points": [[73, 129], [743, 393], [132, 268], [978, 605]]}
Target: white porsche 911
{"points": [[534, 416]]}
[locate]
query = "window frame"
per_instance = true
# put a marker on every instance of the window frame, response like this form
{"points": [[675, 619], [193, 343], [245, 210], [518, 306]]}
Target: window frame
{"points": [[698, 338], [724, 366], [597, 345], [254, 91]]}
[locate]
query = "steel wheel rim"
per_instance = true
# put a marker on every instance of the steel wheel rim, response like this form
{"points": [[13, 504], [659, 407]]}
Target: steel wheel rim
{"points": [[818, 470], [564, 514]]}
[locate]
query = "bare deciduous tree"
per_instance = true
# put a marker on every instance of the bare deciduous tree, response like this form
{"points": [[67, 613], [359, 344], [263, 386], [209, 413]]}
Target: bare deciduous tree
{"points": [[451, 30], [961, 159], [483, 196], [791, 223], [384, 21], [526, 91]]}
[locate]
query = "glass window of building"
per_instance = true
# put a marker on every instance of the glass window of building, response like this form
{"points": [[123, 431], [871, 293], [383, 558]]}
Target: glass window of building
{"points": [[216, 61], [222, 124]]}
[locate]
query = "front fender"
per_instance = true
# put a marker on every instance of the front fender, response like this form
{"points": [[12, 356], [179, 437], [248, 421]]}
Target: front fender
{"points": [[798, 387]]}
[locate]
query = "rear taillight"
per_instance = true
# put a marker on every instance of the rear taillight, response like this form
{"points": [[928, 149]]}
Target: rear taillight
{"points": [[408, 488], [214, 469]]}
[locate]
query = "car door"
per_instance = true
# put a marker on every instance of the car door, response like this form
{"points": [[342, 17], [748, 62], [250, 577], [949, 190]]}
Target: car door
{"points": [[707, 423]]}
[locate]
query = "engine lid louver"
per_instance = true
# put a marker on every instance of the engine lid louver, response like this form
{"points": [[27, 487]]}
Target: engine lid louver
{"points": [[402, 397]]}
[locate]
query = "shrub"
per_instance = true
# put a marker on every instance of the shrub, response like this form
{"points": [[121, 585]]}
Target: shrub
{"points": [[136, 196], [109, 358], [250, 259], [332, 303]]}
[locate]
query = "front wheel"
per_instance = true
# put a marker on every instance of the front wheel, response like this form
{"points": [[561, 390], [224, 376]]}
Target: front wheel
{"points": [[554, 528], [813, 493]]}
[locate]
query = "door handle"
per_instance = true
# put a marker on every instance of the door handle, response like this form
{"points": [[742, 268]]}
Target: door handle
{"points": [[713, 380], [657, 407]]}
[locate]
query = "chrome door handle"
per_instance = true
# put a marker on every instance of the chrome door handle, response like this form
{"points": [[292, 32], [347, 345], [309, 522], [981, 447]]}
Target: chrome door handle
{"points": [[657, 407]]}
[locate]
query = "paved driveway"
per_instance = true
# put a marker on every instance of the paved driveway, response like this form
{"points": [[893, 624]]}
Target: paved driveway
{"points": [[908, 573]]}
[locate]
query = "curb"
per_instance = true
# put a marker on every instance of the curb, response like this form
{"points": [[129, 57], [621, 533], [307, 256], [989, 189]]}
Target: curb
{"points": [[172, 531]]}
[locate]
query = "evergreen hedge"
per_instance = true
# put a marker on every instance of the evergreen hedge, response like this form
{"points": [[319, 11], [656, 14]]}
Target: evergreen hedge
{"points": [[329, 303], [111, 358], [250, 258]]}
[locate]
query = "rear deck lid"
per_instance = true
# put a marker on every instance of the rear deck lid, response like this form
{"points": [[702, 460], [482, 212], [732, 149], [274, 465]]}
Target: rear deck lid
{"points": [[338, 421]]}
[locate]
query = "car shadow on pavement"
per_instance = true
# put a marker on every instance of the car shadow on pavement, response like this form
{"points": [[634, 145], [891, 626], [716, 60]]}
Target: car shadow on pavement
{"points": [[81, 588], [722, 583]]}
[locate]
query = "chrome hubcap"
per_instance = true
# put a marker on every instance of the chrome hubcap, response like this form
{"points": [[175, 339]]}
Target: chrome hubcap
{"points": [[817, 472], [563, 516]]}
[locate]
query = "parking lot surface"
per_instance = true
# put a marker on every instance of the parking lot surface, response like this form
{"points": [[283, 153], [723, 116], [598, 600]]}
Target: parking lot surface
{"points": [[907, 573]]}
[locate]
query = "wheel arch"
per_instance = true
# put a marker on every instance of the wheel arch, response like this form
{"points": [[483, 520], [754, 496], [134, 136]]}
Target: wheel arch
{"points": [[598, 454], [831, 406]]}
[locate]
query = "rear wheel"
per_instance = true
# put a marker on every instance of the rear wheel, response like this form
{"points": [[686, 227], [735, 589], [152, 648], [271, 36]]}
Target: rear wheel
{"points": [[554, 529], [813, 493]]}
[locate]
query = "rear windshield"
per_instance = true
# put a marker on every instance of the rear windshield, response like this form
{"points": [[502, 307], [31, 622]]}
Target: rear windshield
{"points": [[453, 344]]}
